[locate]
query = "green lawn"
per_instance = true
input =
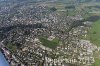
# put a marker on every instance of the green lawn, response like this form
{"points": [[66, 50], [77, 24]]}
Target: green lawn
{"points": [[51, 44]]}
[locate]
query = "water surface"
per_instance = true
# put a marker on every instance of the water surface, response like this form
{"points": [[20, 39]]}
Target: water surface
{"points": [[3, 61]]}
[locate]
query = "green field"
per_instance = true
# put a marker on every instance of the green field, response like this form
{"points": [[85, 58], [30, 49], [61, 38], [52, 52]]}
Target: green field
{"points": [[97, 59], [61, 8], [12, 47], [94, 37], [94, 33], [97, 62], [51, 44]]}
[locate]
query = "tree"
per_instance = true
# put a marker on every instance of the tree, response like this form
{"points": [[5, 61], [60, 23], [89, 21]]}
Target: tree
{"points": [[53, 9], [70, 7]]}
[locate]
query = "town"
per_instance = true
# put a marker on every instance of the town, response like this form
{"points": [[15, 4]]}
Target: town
{"points": [[34, 34]]}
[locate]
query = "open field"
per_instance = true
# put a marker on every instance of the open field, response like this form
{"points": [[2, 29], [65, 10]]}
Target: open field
{"points": [[97, 62], [97, 58], [94, 33], [51, 44]]}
